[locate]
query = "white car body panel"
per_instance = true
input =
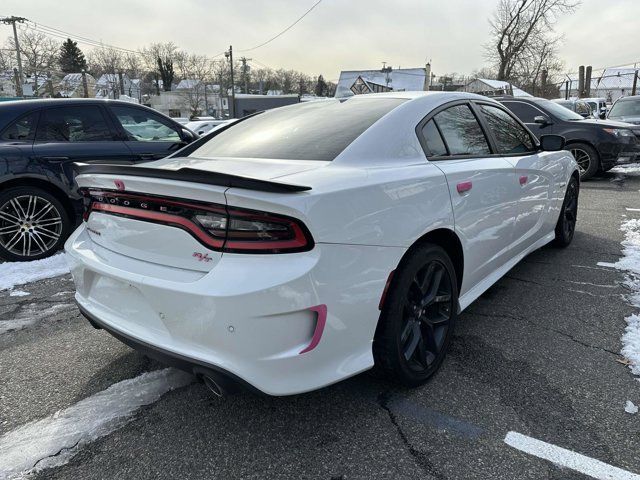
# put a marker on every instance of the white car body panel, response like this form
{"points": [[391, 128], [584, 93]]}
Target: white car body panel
{"points": [[253, 314]]}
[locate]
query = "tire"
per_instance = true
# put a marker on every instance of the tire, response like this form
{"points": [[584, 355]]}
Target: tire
{"points": [[566, 226], [587, 158], [407, 317], [33, 224]]}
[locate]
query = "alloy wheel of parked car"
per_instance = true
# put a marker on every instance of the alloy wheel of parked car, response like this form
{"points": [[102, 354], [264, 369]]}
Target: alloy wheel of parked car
{"points": [[586, 158], [33, 224], [416, 325], [566, 226]]}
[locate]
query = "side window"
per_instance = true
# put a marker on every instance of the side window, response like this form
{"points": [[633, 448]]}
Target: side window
{"points": [[526, 113], [510, 136], [462, 132], [432, 136], [82, 123], [21, 130], [143, 126], [582, 108]]}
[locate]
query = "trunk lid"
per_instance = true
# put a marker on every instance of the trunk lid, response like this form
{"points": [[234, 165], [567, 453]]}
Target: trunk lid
{"points": [[149, 219]]}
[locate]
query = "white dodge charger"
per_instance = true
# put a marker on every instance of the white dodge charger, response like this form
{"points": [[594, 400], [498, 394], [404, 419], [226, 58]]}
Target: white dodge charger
{"points": [[306, 244]]}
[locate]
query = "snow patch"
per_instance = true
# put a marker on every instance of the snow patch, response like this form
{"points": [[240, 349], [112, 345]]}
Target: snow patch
{"points": [[54, 440], [632, 169], [631, 408], [31, 315], [630, 262], [19, 273], [18, 293]]}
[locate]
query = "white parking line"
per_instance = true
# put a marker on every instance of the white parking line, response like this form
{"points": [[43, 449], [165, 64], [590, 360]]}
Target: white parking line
{"points": [[52, 441], [568, 459], [633, 209]]}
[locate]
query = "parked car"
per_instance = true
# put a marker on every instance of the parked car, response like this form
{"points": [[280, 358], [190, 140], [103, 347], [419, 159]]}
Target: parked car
{"points": [[307, 243], [202, 127], [40, 140], [580, 107], [626, 109], [597, 145], [598, 107]]}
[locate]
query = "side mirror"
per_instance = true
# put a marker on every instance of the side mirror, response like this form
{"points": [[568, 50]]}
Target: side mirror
{"points": [[552, 143], [187, 136], [541, 120], [603, 113]]}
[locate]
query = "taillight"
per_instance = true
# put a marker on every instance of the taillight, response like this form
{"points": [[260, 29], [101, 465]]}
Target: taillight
{"points": [[218, 227]]}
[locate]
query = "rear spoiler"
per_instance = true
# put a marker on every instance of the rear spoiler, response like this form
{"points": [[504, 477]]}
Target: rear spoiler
{"points": [[192, 175]]}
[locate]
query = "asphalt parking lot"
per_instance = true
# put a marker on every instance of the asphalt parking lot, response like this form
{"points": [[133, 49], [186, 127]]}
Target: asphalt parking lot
{"points": [[538, 354]]}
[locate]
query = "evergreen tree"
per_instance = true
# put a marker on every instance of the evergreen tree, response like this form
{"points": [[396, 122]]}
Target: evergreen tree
{"points": [[71, 58], [321, 87]]}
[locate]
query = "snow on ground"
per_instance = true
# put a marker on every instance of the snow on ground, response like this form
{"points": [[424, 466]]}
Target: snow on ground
{"points": [[632, 169], [630, 262], [630, 407], [19, 273], [18, 293], [54, 440], [31, 315]]}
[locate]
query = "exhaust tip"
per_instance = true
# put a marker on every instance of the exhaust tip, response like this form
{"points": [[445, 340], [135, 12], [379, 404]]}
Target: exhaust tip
{"points": [[213, 386]]}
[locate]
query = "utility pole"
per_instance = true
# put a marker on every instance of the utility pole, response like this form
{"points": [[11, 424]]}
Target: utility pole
{"points": [[232, 107], [13, 20], [581, 81], [635, 82], [587, 81], [85, 87], [245, 71]]}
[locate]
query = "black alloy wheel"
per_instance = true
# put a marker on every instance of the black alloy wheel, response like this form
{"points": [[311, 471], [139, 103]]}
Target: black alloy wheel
{"points": [[418, 317], [566, 226]]}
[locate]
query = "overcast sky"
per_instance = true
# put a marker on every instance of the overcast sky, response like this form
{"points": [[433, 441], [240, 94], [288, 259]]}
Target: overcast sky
{"points": [[338, 34]]}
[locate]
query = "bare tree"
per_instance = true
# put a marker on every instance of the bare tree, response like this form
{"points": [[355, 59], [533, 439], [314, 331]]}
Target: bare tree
{"points": [[39, 53], [105, 60], [159, 58], [518, 26]]}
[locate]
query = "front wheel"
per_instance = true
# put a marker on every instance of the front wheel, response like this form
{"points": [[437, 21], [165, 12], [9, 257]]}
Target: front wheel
{"points": [[33, 224], [418, 317], [587, 159], [566, 226]]}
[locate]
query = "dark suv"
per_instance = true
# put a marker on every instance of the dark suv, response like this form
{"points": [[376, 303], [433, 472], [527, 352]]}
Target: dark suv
{"points": [[597, 145], [40, 140]]}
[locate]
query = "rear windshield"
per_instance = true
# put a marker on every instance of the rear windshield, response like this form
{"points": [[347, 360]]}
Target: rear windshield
{"points": [[308, 131]]}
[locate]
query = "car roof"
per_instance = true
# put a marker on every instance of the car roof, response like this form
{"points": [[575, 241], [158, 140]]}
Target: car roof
{"points": [[28, 104], [630, 97]]}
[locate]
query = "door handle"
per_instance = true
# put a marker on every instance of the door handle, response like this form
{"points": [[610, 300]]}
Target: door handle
{"points": [[523, 180], [464, 187], [54, 159], [147, 156]]}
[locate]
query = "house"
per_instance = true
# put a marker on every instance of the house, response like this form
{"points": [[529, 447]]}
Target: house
{"points": [[7, 85], [611, 84], [108, 86], [492, 88], [357, 82], [71, 86]]}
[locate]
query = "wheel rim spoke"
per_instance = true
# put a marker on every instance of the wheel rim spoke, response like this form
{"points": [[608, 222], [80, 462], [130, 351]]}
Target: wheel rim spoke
{"points": [[29, 225], [427, 314]]}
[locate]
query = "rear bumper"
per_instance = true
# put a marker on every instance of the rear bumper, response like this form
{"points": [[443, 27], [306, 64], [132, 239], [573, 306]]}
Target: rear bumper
{"points": [[251, 318], [189, 365]]}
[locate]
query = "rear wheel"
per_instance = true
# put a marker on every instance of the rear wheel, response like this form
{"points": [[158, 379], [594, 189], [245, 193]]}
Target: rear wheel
{"points": [[587, 159], [33, 224], [418, 317], [566, 226]]}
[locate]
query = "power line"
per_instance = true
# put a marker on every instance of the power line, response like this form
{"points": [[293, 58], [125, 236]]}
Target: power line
{"points": [[283, 31]]}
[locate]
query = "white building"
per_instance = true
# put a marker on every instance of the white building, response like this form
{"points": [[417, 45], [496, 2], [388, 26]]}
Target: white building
{"points": [[71, 86], [611, 84], [108, 86], [493, 88], [355, 82]]}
